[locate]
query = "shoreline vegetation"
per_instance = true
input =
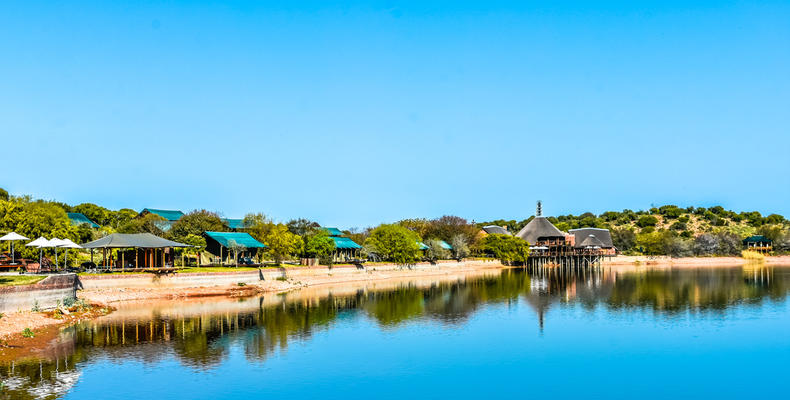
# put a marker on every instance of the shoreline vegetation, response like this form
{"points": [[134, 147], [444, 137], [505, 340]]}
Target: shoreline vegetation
{"points": [[667, 230]]}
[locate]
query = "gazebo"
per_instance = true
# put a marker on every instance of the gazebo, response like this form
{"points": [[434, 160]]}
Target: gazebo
{"points": [[758, 243], [147, 249]]}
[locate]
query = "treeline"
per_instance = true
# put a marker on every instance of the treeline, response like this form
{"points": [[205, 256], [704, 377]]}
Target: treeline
{"points": [[665, 230], [403, 242], [675, 231]]}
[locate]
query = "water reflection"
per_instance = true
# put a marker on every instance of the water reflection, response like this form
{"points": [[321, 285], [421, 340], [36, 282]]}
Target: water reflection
{"points": [[199, 335]]}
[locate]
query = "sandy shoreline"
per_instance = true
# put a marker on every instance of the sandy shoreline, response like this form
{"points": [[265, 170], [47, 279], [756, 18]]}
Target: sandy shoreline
{"points": [[694, 261], [12, 324]]}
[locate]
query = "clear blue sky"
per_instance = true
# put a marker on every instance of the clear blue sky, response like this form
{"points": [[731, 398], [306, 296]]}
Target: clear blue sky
{"points": [[358, 113]]}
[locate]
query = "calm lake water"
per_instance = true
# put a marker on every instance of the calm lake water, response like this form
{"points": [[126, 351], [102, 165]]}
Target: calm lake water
{"points": [[722, 332]]}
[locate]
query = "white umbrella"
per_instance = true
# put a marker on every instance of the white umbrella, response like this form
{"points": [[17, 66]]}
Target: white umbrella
{"points": [[41, 242], [68, 244], [11, 237], [55, 242]]}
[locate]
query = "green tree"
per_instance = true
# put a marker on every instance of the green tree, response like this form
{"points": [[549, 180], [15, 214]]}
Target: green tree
{"points": [[150, 223], [320, 246], [236, 248], [3, 194], [623, 238], [281, 243], [394, 243], [302, 226], [460, 245], [436, 251], [198, 244], [647, 220], [446, 227], [121, 217], [508, 249], [195, 223]]}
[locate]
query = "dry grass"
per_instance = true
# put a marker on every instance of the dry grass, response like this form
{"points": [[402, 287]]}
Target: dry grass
{"points": [[752, 255]]}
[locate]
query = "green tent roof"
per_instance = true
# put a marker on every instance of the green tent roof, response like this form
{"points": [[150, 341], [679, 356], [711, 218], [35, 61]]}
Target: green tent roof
{"points": [[242, 238], [445, 245], [170, 215], [234, 223], [80, 218], [345, 243], [334, 231], [757, 239], [423, 246]]}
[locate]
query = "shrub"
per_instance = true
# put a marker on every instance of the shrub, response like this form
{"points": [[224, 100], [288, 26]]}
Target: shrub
{"points": [[646, 220], [752, 255], [28, 333]]}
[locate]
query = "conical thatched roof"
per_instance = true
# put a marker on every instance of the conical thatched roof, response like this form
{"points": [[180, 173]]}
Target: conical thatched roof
{"points": [[539, 228], [590, 241], [601, 234]]}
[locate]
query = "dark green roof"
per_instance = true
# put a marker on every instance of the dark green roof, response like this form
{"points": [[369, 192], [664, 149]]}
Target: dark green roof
{"points": [[234, 223], [345, 243], [80, 218], [334, 231], [170, 215], [757, 239], [242, 238], [128, 240]]}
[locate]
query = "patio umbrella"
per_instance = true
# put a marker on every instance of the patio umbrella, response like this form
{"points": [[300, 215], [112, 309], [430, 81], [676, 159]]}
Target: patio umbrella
{"points": [[11, 237], [41, 242], [68, 244], [55, 242]]}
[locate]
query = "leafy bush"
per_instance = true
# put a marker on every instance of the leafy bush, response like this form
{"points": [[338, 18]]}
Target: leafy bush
{"points": [[647, 220], [28, 333]]}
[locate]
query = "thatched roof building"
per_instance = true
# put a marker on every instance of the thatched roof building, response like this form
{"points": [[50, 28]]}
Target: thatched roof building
{"points": [[539, 229], [602, 236]]}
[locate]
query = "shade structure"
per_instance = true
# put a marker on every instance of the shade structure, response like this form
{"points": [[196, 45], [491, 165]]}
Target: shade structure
{"points": [[137, 241], [11, 237], [129, 240], [55, 243], [241, 238], [41, 242], [68, 244]]}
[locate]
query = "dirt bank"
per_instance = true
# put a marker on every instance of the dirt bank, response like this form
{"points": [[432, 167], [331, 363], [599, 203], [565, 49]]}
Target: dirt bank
{"points": [[695, 262], [43, 324]]}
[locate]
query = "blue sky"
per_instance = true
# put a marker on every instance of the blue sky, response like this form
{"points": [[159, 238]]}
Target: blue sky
{"points": [[356, 113]]}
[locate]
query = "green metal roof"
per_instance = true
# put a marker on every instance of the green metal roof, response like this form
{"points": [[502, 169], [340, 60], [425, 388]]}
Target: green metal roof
{"points": [[445, 245], [757, 239], [345, 243], [423, 246], [234, 223], [334, 231], [242, 238], [170, 215], [80, 218]]}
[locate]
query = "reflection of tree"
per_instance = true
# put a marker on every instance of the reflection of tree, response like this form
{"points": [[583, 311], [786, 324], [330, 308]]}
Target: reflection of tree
{"points": [[203, 341]]}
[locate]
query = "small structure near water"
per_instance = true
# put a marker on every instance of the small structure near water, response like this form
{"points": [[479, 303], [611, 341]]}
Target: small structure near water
{"points": [[758, 243], [577, 248], [221, 244]]}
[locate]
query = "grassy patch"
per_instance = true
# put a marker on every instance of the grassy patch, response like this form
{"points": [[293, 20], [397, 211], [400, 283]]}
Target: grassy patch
{"points": [[192, 270], [15, 280]]}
